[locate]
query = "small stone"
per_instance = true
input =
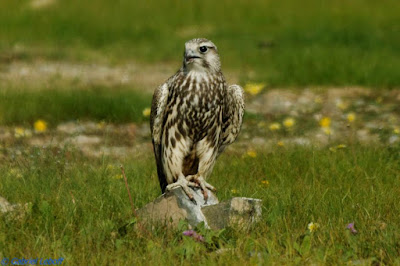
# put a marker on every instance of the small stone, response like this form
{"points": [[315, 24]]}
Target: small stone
{"points": [[13, 211], [5, 206], [393, 139], [84, 140], [70, 128]]}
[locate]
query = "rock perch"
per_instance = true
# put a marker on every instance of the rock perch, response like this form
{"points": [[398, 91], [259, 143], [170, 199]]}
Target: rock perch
{"points": [[174, 206]]}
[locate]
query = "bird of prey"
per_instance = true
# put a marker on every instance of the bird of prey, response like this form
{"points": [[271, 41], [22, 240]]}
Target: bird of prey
{"points": [[194, 116]]}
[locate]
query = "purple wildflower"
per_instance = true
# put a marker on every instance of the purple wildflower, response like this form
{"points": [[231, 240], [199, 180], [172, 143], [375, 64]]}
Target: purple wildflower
{"points": [[188, 232], [351, 227], [194, 235]]}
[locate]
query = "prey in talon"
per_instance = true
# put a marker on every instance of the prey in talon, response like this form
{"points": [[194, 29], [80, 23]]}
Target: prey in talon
{"points": [[194, 116]]}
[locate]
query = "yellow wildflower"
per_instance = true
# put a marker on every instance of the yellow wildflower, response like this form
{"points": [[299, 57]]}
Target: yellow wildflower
{"points": [[101, 125], [19, 132], [251, 153], [313, 227], [234, 191], [318, 99], [265, 182], [342, 105], [340, 146], [254, 88], [110, 167], [262, 124], [289, 122], [396, 130], [325, 122], [281, 143], [146, 112], [118, 176], [351, 117], [274, 126], [15, 172], [327, 130], [40, 126]]}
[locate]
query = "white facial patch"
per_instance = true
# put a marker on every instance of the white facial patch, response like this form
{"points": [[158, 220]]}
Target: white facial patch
{"points": [[207, 61]]}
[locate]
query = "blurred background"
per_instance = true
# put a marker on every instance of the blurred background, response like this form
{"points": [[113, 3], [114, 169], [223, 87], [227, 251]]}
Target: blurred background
{"points": [[99, 61], [282, 43]]}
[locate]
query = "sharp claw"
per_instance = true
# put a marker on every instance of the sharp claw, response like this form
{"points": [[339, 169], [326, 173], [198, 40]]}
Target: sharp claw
{"points": [[204, 185], [205, 194], [185, 189], [193, 200]]}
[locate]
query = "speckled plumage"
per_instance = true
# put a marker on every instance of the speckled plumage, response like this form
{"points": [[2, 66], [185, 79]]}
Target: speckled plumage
{"points": [[194, 116]]}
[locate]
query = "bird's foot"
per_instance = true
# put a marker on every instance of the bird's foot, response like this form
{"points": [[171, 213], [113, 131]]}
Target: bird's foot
{"points": [[184, 184], [199, 180]]}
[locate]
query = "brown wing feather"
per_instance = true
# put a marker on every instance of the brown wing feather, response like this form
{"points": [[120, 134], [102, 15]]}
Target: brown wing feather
{"points": [[158, 107]]}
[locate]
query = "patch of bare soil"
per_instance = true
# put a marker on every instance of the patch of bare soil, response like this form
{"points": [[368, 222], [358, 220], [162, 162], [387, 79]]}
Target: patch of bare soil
{"points": [[41, 74], [333, 118]]}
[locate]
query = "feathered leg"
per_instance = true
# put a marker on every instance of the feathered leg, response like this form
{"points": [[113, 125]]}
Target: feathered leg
{"points": [[206, 151]]}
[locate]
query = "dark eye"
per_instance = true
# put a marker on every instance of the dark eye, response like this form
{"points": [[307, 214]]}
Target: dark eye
{"points": [[203, 49]]}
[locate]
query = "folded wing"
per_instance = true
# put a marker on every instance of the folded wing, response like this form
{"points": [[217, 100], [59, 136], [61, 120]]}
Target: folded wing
{"points": [[232, 116]]}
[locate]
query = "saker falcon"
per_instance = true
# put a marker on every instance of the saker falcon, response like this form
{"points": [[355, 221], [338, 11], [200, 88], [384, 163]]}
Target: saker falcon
{"points": [[194, 116]]}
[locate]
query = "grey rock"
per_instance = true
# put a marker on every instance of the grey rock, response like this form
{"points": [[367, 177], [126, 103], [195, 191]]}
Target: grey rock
{"points": [[174, 206], [238, 212], [14, 211]]}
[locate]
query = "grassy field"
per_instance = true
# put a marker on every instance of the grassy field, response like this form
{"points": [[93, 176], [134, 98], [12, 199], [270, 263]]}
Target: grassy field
{"points": [[61, 104], [337, 162], [64, 218], [282, 43]]}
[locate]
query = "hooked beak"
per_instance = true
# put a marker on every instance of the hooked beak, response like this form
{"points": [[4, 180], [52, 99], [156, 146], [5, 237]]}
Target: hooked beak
{"points": [[190, 56]]}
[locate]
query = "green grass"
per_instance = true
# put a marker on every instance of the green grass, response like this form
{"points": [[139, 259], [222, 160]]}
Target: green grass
{"points": [[283, 43], [97, 103], [77, 207]]}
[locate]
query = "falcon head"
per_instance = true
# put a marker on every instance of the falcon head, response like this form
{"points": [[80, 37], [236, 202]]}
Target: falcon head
{"points": [[201, 55]]}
